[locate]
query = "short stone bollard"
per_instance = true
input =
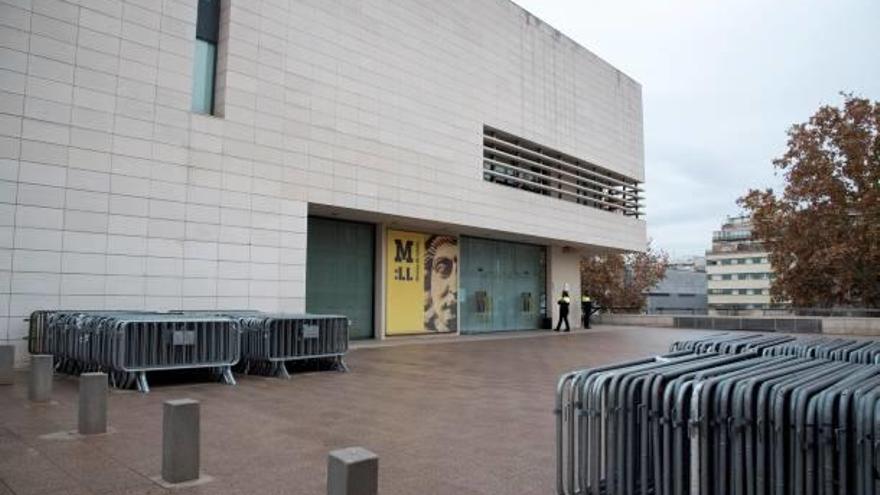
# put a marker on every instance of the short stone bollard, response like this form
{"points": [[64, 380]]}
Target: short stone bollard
{"points": [[40, 384], [352, 471], [7, 362], [180, 441], [92, 403]]}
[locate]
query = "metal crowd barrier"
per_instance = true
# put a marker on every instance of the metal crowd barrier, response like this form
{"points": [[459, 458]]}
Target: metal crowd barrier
{"points": [[127, 345], [782, 324], [727, 418], [38, 327], [269, 341], [835, 349]]}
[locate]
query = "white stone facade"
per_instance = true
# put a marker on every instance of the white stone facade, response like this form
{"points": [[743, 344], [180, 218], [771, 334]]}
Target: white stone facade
{"points": [[114, 195]]}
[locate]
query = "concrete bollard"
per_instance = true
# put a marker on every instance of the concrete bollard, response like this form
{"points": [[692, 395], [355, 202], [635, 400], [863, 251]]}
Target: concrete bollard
{"points": [[7, 362], [352, 471], [180, 441], [92, 403], [40, 384]]}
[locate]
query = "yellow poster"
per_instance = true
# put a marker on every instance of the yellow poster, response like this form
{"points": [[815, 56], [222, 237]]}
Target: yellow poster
{"points": [[421, 283]]}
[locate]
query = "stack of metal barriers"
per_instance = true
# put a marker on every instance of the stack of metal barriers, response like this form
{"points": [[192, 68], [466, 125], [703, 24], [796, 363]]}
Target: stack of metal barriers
{"points": [[128, 344], [724, 415], [836, 349], [269, 341]]}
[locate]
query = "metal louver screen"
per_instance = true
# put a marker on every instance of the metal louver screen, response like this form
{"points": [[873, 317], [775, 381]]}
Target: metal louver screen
{"points": [[515, 162]]}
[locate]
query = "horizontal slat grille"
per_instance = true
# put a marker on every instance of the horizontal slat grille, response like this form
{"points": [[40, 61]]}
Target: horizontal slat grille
{"points": [[515, 162]]}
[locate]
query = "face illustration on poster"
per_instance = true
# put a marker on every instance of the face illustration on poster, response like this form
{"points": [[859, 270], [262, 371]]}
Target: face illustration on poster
{"points": [[422, 283], [441, 284]]}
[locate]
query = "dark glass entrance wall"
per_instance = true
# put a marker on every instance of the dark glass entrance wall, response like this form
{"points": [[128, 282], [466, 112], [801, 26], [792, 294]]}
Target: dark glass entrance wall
{"points": [[340, 270], [502, 286]]}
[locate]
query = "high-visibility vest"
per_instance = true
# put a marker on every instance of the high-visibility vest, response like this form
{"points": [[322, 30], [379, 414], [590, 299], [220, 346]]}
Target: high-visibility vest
{"points": [[566, 300], [585, 298]]}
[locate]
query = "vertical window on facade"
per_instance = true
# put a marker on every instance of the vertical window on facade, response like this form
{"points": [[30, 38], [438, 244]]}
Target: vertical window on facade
{"points": [[526, 298], [205, 56], [481, 298]]}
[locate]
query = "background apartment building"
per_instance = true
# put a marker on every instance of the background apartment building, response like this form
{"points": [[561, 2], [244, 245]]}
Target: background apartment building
{"points": [[738, 269], [422, 167]]}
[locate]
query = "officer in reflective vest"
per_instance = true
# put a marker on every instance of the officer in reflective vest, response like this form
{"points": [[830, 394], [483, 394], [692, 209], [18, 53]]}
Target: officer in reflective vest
{"points": [[586, 309], [564, 302]]}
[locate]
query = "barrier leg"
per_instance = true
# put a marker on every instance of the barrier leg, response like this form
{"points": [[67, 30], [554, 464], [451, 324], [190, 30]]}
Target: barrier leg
{"points": [[340, 364], [228, 378], [40, 384], [92, 403], [7, 361], [180, 441], [352, 471], [281, 370], [142, 384]]}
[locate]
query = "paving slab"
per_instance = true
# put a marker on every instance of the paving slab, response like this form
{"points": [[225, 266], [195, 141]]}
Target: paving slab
{"points": [[460, 416]]}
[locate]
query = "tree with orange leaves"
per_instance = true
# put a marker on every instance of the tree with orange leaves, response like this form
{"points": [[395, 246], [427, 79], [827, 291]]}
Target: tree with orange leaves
{"points": [[823, 231], [621, 280]]}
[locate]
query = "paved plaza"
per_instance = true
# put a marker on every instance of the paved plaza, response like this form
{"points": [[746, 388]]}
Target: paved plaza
{"points": [[467, 416]]}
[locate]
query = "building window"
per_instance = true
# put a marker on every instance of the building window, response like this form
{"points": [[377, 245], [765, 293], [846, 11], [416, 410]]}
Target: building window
{"points": [[526, 299], [205, 56], [481, 300], [512, 161], [726, 276]]}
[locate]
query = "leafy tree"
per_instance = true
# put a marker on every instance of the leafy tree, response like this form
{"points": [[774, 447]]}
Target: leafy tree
{"points": [[823, 231], [620, 280]]}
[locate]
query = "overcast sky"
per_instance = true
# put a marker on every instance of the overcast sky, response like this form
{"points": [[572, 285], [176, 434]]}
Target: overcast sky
{"points": [[722, 81]]}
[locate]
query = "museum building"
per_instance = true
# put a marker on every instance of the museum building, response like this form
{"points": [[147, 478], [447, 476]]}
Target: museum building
{"points": [[419, 166]]}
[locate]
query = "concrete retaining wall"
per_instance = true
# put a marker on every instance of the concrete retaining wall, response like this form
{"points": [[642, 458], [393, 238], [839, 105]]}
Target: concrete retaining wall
{"points": [[636, 320], [830, 325], [851, 326]]}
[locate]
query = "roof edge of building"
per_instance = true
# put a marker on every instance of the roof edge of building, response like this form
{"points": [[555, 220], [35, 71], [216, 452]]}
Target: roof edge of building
{"points": [[574, 42]]}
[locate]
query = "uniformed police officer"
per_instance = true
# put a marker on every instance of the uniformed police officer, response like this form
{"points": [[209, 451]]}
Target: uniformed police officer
{"points": [[564, 302], [586, 309]]}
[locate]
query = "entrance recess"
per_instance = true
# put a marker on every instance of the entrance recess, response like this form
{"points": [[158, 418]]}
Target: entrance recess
{"points": [[502, 285], [340, 270]]}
